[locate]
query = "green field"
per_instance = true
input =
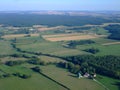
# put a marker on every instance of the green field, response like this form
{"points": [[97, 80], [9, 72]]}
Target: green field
{"points": [[53, 48], [36, 82], [48, 59], [51, 52], [112, 84], [57, 48], [104, 50], [70, 80], [74, 83], [6, 48]]}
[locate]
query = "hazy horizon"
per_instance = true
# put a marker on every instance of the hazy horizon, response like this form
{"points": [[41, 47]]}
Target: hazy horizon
{"points": [[53, 5]]}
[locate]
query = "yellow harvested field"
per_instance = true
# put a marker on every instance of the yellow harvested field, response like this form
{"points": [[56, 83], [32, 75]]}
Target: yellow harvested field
{"points": [[67, 37], [111, 43], [63, 35], [18, 35]]}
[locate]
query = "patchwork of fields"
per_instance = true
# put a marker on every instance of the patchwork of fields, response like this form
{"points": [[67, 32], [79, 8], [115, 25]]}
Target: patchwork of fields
{"points": [[49, 48]]}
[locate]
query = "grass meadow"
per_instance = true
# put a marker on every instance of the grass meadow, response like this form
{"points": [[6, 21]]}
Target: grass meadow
{"points": [[112, 84], [36, 82], [56, 48], [70, 80], [6, 48]]}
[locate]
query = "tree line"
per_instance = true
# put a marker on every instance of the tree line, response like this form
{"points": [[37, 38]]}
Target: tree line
{"points": [[73, 44]]}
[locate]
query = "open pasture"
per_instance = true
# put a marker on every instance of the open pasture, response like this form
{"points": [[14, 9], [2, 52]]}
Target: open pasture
{"points": [[48, 59], [35, 82], [112, 84], [113, 49], [70, 80], [6, 48], [52, 48]]}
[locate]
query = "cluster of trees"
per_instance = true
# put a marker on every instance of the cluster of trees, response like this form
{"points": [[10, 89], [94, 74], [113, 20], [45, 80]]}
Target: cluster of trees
{"points": [[5, 75], [13, 63], [104, 65], [20, 55], [77, 68], [73, 44], [21, 75], [37, 61], [18, 74], [114, 30], [92, 50], [36, 69]]}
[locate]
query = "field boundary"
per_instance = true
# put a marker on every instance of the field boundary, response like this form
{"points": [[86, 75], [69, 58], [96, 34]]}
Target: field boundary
{"points": [[54, 81]]}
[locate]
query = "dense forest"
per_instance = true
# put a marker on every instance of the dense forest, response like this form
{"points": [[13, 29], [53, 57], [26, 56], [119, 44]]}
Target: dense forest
{"points": [[114, 30], [105, 65], [17, 19]]}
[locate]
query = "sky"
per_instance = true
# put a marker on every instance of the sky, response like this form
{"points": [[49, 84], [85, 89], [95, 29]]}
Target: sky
{"points": [[89, 5]]}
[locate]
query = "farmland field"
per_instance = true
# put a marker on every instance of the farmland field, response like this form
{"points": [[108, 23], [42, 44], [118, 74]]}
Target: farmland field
{"points": [[54, 48], [112, 84], [6, 48], [51, 54], [18, 35], [67, 37], [36, 44], [70, 80], [48, 59], [36, 82], [104, 49]]}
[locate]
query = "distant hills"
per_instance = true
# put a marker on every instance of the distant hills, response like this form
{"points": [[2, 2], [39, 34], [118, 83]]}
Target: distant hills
{"points": [[71, 13]]}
